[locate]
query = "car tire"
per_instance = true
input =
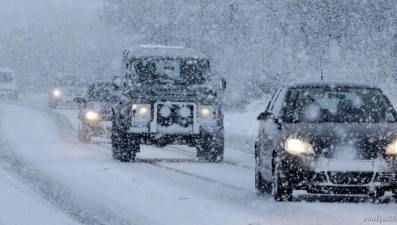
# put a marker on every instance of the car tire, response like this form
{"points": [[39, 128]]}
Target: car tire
{"points": [[262, 186], [83, 133], [123, 150], [211, 148], [282, 190]]}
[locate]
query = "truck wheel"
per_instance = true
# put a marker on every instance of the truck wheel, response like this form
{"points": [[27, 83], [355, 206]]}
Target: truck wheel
{"points": [[282, 191], [211, 148], [123, 150], [83, 133], [394, 194], [262, 186]]}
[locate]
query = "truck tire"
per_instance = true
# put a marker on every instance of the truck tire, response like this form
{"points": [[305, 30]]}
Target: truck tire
{"points": [[211, 148], [123, 150]]}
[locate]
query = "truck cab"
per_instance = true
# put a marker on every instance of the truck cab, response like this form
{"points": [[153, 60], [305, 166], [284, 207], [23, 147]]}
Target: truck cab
{"points": [[169, 97]]}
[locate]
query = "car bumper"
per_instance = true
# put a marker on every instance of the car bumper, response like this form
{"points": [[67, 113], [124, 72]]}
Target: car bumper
{"points": [[101, 128], [323, 175]]}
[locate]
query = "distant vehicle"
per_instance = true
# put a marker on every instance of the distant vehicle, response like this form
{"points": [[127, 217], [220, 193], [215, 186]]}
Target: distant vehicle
{"points": [[327, 138], [8, 86], [64, 90], [96, 112], [170, 98]]}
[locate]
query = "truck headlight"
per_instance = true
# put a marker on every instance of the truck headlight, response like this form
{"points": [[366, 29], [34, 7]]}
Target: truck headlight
{"points": [[56, 93], [91, 115], [392, 148], [296, 146], [141, 112], [207, 112]]}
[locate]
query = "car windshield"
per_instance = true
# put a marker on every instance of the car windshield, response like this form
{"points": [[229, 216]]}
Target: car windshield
{"points": [[351, 105], [69, 82], [175, 71], [6, 77], [101, 92]]}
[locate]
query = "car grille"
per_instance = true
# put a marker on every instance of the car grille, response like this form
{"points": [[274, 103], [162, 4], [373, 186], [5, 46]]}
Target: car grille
{"points": [[350, 178], [179, 114]]}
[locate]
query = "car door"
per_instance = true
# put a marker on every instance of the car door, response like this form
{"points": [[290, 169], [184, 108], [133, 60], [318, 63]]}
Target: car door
{"points": [[270, 133]]}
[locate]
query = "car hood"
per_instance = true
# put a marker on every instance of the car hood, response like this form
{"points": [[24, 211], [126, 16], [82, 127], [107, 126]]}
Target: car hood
{"points": [[347, 141], [72, 91]]}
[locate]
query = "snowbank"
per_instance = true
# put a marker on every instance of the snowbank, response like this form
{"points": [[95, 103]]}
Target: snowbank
{"points": [[241, 129]]}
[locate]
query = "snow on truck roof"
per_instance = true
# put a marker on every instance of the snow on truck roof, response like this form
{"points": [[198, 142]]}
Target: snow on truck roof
{"points": [[142, 51], [331, 84]]}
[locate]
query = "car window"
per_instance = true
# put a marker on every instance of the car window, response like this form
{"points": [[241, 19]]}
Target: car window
{"points": [[271, 102], [351, 105], [278, 103]]}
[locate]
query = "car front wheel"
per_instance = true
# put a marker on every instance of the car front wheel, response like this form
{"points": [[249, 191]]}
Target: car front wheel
{"points": [[262, 186], [83, 133], [211, 148], [282, 190]]}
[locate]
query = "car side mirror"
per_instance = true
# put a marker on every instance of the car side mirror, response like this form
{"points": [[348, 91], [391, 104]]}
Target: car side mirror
{"points": [[79, 100], [117, 81], [222, 84], [265, 116]]}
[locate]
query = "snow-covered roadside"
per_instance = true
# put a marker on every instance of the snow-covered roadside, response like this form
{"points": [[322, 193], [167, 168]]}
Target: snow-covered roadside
{"points": [[20, 205], [241, 128]]}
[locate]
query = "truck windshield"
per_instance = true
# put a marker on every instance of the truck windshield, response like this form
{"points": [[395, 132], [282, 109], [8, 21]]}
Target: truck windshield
{"points": [[175, 71], [6, 77], [345, 105]]}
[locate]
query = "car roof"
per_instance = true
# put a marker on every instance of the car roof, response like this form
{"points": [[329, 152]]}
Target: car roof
{"points": [[143, 51], [331, 84]]}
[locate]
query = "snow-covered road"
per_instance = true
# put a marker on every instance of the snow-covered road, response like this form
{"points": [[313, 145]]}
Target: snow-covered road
{"points": [[46, 172]]}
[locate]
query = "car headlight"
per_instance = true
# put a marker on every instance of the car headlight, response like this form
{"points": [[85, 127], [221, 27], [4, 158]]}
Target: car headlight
{"points": [[56, 93], [141, 112], [392, 148], [296, 146], [91, 115], [207, 112]]}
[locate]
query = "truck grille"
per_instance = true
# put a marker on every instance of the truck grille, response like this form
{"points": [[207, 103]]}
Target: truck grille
{"points": [[171, 114]]}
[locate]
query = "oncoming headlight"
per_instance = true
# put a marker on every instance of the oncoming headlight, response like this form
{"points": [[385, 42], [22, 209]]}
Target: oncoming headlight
{"points": [[207, 112], [91, 115], [392, 148], [57, 93], [141, 112], [296, 146]]}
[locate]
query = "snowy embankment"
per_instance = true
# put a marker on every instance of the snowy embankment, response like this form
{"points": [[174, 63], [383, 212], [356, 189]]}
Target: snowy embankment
{"points": [[241, 128]]}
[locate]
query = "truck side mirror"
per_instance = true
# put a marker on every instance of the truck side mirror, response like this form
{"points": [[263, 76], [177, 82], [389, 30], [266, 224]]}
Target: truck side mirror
{"points": [[117, 81], [222, 84]]}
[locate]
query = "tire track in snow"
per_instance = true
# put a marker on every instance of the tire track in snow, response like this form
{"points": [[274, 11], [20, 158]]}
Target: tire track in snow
{"points": [[83, 210]]}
